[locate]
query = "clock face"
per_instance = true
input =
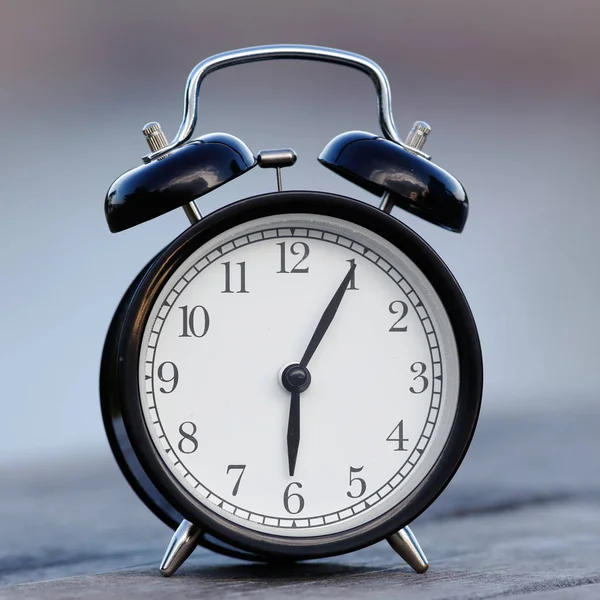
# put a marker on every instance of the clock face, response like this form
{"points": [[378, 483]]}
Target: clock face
{"points": [[290, 450]]}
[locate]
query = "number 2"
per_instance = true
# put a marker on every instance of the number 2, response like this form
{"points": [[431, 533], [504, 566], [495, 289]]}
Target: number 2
{"points": [[403, 312]]}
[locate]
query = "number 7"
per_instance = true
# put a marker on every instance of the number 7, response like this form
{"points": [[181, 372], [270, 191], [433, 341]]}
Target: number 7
{"points": [[242, 468]]}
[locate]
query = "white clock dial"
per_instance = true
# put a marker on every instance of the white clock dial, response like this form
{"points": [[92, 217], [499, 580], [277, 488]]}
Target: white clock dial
{"points": [[384, 378]]}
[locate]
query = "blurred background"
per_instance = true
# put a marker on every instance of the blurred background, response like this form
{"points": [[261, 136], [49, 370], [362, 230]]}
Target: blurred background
{"points": [[511, 89]]}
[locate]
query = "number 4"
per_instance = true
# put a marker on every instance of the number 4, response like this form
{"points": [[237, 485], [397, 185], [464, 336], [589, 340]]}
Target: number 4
{"points": [[399, 438]]}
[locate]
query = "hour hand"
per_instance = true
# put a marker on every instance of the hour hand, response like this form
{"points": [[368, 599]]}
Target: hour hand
{"points": [[327, 317]]}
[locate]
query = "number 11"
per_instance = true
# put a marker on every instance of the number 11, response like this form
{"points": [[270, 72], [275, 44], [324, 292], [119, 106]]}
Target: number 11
{"points": [[228, 290]]}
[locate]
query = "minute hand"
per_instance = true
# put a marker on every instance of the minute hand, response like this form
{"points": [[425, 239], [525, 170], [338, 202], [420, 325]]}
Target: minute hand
{"points": [[327, 317]]}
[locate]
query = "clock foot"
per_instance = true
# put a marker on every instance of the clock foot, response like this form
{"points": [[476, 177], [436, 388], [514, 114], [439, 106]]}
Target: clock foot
{"points": [[182, 544], [406, 545]]}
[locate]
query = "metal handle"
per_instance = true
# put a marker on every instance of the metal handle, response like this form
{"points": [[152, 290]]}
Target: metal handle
{"points": [[276, 52]]}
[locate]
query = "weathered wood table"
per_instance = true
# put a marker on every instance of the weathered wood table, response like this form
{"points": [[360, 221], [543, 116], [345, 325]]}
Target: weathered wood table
{"points": [[521, 519]]}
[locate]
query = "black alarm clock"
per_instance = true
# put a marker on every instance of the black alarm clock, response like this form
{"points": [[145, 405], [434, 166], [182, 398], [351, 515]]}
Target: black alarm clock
{"points": [[298, 374]]}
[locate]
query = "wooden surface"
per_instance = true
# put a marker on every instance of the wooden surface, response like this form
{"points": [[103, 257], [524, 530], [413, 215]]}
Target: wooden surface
{"points": [[520, 520]]}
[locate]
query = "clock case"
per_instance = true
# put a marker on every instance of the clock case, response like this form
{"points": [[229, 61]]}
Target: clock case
{"points": [[174, 175], [121, 405]]}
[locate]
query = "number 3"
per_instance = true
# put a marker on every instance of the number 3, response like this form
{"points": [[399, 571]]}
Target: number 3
{"points": [[419, 368]]}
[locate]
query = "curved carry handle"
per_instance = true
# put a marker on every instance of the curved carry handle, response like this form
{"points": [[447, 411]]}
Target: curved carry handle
{"points": [[276, 52]]}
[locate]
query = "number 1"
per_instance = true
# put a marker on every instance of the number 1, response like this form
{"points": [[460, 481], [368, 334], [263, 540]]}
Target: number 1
{"points": [[352, 284]]}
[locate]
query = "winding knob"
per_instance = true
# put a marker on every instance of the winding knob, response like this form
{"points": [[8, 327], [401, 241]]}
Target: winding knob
{"points": [[418, 135], [154, 136]]}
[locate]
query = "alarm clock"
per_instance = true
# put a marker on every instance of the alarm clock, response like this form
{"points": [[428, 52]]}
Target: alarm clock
{"points": [[298, 374]]}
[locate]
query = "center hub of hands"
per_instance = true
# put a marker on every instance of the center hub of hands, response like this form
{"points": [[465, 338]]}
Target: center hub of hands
{"points": [[295, 378]]}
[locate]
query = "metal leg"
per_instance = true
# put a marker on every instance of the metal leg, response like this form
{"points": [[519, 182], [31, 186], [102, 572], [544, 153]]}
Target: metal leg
{"points": [[182, 544], [406, 545], [386, 204]]}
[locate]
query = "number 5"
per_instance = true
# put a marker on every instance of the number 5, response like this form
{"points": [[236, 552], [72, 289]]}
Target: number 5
{"points": [[363, 483]]}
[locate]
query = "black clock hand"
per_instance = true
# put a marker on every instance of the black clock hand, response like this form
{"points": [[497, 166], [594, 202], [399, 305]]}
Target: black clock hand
{"points": [[296, 380], [293, 432], [327, 317]]}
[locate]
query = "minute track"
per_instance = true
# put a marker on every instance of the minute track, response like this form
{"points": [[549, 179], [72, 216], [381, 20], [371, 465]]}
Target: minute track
{"points": [[384, 266]]}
